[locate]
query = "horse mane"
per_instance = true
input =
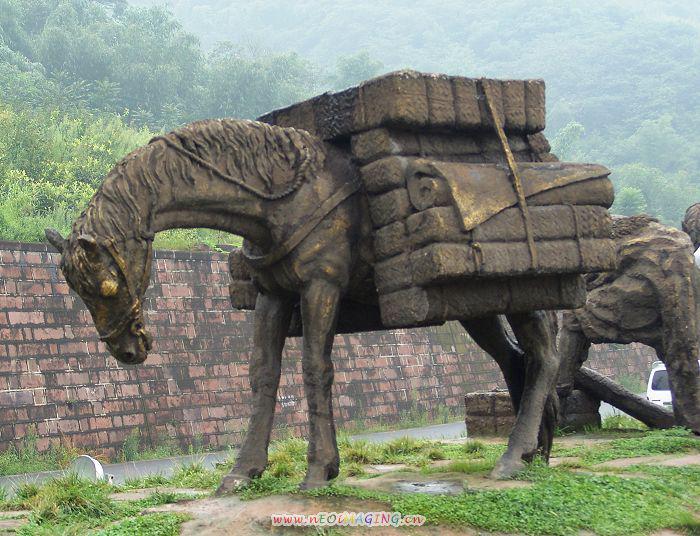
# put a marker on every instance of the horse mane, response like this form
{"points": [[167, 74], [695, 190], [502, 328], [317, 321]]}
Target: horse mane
{"points": [[262, 155], [629, 225], [266, 156]]}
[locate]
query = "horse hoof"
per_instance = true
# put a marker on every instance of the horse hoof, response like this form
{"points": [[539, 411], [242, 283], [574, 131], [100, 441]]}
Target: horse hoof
{"points": [[231, 483], [308, 484], [319, 476], [507, 468]]}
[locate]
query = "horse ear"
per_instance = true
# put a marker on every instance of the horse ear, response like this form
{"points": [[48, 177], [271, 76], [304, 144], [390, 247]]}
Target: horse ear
{"points": [[55, 239], [88, 242]]}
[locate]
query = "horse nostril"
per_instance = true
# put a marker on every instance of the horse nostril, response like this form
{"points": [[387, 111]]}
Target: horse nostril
{"points": [[129, 357]]}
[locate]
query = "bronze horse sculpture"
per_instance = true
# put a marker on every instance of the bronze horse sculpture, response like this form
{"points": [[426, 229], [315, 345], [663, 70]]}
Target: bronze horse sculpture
{"points": [[297, 198], [653, 297]]}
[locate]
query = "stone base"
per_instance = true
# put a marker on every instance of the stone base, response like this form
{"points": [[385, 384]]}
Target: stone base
{"points": [[579, 410], [489, 413]]}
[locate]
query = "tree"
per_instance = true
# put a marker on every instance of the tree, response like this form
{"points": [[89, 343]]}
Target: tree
{"points": [[242, 83], [566, 144], [629, 201], [355, 68]]}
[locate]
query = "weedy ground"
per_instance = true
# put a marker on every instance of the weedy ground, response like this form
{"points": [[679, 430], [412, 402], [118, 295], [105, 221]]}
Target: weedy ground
{"points": [[575, 496], [26, 458]]}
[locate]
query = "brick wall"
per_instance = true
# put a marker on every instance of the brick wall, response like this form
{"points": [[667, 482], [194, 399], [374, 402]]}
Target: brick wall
{"points": [[57, 377]]}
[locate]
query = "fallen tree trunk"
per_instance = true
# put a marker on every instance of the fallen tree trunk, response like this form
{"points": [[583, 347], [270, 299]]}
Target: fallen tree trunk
{"points": [[653, 415]]}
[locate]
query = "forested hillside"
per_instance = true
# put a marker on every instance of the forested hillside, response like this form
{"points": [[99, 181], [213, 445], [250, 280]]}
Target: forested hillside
{"points": [[84, 81]]}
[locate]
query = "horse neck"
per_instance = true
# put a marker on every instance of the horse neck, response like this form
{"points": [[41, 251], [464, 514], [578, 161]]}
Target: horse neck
{"points": [[148, 201]]}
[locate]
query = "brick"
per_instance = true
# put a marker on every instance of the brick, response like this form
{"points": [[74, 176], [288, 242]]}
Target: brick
{"points": [[199, 383]]}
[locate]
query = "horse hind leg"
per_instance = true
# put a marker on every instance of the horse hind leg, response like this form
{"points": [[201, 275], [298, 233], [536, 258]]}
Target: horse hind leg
{"points": [[573, 352], [537, 415], [271, 323], [490, 334]]}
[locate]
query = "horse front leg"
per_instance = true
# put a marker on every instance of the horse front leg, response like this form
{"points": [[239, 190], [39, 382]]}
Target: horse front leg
{"points": [[271, 322], [537, 338], [684, 384], [319, 310]]}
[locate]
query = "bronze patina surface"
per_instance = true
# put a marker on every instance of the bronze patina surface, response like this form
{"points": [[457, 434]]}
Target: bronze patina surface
{"points": [[317, 229], [653, 297]]}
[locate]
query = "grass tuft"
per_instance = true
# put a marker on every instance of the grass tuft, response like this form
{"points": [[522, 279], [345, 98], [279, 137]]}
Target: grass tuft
{"points": [[158, 524], [25, 457], [196, 476], [622, 422], [69, 500]]}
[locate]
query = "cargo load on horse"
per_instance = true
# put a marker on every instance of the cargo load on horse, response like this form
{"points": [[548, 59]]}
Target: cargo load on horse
{"points": [[471, 213]]}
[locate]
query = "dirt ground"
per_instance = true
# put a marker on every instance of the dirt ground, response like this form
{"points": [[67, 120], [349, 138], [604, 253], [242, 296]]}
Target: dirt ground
{"points": [[224, 516], [219, 516]]}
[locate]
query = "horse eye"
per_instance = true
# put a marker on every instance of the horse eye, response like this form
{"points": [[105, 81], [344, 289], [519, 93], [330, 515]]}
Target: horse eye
{"points": [[109, 288]]}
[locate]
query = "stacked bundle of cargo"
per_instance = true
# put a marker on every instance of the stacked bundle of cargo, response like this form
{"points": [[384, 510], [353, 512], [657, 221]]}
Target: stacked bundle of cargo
{"points": [[472, 215]]}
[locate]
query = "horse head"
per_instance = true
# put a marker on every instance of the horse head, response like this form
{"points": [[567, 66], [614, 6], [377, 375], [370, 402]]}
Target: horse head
{"points": [[691, 224], [111, 278]]}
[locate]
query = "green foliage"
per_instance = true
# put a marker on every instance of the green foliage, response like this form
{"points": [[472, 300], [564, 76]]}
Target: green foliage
{"points": [[246, 83], [362, 452], [559, 503], [131, 446], [68, 500], [621, 75], [196, 476], [648, 443], [630, 201], [566, 143], [352, 469], [622, 422], [149, 481], [70, 505], [158, 524], [355, 68], [24, 457], [26, 491], [621, 81], [51, 164]]}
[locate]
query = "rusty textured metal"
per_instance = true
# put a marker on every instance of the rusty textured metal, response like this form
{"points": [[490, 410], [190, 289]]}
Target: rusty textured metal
{"points": [[652, 297], [480, 191], [513, 167], [292, 194]]}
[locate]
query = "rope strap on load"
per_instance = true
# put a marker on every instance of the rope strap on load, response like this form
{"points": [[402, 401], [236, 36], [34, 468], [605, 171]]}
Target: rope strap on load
{"points": [[513, 167]]}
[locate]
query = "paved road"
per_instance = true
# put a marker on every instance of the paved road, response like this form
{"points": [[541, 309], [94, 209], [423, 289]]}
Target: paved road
{"points": [[167, 466], [125, 471], [451, 430]]}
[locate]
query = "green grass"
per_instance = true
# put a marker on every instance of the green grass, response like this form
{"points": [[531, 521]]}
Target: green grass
{"points": [[622, 422], [70, 505], [158, 524], [26, 458], [463, 466], [650, 443], [562, 503], [630, 500]]}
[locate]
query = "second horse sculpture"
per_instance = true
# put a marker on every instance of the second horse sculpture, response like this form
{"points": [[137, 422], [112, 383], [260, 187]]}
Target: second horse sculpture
{"points": [[297, 201]]}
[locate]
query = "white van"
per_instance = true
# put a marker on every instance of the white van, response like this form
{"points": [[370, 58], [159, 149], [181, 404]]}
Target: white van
{"points": [[658, 390]]}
